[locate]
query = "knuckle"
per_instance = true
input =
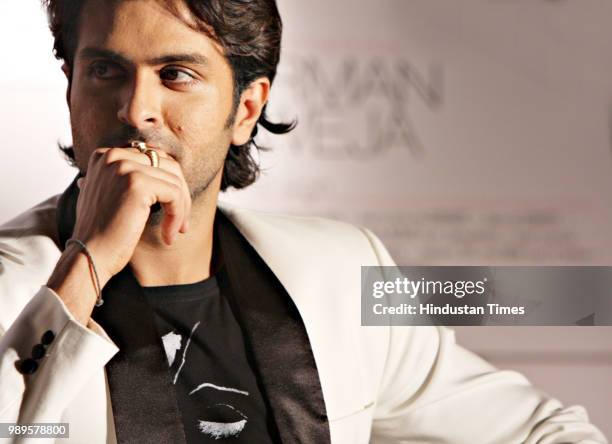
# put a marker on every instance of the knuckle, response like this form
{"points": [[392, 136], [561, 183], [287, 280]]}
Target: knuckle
{"points": [[111, 156], [176, 180], [133, 180], [121, 167], [175, 189], [96, 156]]}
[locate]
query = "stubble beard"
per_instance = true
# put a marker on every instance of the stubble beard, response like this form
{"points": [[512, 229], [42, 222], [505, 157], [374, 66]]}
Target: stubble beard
{"points": [[198, 192]]}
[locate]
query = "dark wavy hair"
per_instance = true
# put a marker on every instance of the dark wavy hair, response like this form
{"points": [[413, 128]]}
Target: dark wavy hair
{"points": [[249, 32]]}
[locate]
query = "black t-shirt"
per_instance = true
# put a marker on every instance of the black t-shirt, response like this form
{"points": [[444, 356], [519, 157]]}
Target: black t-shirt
{"points": [[216, 388]]}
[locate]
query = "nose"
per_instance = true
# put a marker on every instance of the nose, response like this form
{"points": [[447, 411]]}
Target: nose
{"points": [[140, 105]]}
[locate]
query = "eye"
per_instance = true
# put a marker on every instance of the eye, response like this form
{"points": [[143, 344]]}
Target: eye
{"points": [[177, 76], [222, 421], [104, 70]]}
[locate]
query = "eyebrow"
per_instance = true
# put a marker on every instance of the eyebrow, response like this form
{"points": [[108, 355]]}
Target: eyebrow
{"points": [[192, 58], [217, 387]]}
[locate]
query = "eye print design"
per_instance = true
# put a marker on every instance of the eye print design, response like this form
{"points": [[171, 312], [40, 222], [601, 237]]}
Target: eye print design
{"points": [[217, 421], [219, 430], [172, 344], [221, 420]]}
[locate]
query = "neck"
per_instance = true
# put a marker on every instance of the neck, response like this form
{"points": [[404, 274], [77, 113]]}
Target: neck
{"points": [[187, 260]]}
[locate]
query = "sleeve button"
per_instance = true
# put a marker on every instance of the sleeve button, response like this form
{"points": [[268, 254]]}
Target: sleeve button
{"points": [[28, 366], [38, 351], [47, 337]]}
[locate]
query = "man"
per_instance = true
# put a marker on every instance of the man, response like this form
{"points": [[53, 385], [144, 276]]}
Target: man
{"points": [[214, 324]]}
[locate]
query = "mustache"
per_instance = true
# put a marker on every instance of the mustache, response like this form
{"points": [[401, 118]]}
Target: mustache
{"points": [[125, 135]]}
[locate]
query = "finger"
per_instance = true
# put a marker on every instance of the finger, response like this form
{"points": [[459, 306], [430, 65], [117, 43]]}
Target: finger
{"points": [[151, 147], [125, 167], [165, 161], [120, 150], [178, 181], [109, 156], [185, 225], [162, 154], [169, 163], [168, 194], [114, 154], [126, 161], [174, 214], [121, 158]]}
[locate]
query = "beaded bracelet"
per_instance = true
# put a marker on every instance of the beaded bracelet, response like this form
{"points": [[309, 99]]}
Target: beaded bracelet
{"points": [[99, 300]]}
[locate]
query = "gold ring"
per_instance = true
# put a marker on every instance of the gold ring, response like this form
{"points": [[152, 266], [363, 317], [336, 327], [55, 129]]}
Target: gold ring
{"points": [[142, 146], [153, 157]]}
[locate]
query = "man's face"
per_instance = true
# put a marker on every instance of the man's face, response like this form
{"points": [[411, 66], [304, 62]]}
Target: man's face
{"points": [[140, 73]]}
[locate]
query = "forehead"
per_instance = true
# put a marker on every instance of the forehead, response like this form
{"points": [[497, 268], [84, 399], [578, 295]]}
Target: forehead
{"points": [[143, 29]]}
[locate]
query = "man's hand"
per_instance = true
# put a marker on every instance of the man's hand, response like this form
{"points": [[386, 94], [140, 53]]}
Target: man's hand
{"points": [[115, 203], [112, 211]]}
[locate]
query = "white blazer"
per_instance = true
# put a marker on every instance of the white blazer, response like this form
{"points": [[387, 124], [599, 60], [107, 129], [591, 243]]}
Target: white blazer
{"points": [[383, 385]]}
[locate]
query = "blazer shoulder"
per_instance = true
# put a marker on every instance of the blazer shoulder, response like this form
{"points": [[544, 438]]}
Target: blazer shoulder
{"points": [[36, 221], [306, 234], [30, 236]]}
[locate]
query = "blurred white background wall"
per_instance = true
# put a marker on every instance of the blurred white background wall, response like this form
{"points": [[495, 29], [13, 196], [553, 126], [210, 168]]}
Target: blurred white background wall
{"points": [[472, 132], [34, 115]]}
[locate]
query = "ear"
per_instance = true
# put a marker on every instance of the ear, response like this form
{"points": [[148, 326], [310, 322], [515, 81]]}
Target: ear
{"points": [[68, 73], [252, 101]]}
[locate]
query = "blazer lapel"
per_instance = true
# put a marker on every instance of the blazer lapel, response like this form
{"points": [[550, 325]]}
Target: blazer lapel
{"points": [[272, 325], [277, 338]]}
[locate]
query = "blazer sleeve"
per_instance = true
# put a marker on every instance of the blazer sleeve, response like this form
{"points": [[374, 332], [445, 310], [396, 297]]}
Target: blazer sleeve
{"points": [[72, 354], [435, 391]]}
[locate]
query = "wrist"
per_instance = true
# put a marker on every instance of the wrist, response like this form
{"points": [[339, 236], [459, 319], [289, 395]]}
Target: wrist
{"points": [[73, 281], [99, 259]]}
